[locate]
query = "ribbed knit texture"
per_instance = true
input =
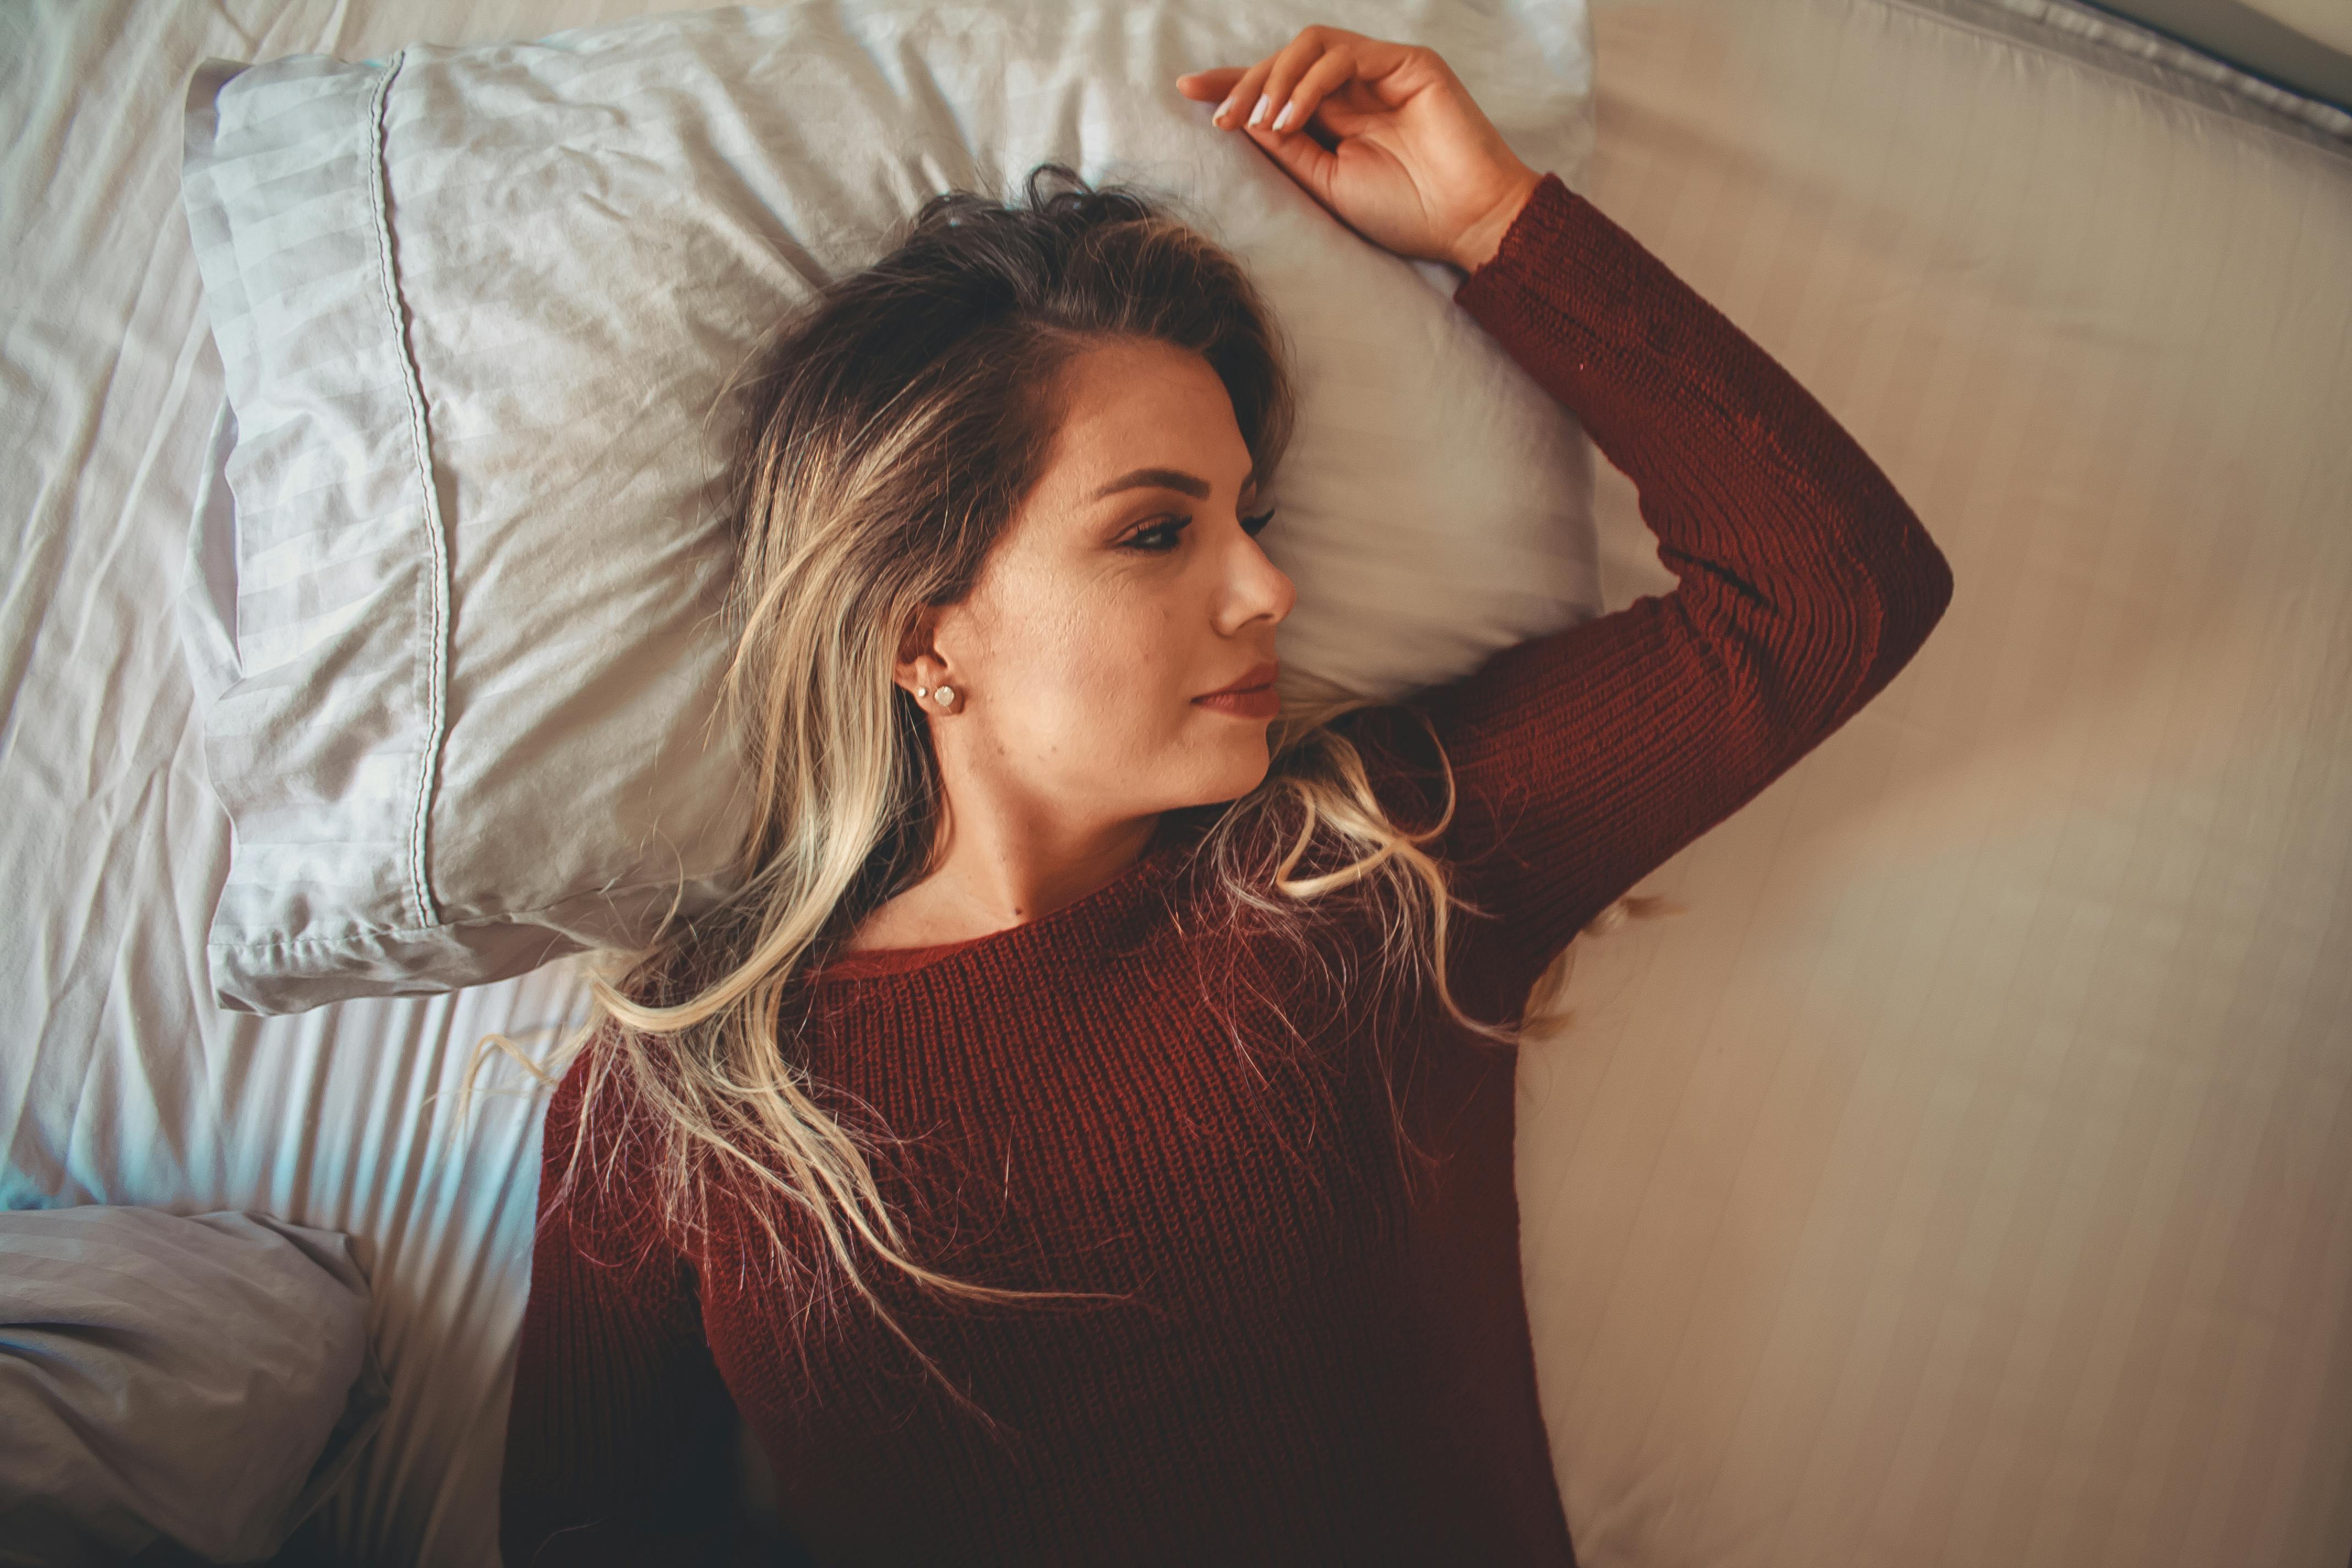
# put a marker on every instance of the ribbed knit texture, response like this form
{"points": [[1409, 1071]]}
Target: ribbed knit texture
{"points": [[1319, 1361]]}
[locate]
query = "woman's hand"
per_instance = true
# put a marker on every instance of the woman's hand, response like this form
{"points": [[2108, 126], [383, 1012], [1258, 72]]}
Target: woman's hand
{"points": [[1383, 135]]}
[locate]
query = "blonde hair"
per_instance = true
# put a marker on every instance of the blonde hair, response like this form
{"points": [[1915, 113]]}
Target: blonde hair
{"points": [[890, 431]]}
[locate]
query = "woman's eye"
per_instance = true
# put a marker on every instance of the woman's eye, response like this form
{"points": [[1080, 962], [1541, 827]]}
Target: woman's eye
{"points": [[1143, 539], [1160, 538]]}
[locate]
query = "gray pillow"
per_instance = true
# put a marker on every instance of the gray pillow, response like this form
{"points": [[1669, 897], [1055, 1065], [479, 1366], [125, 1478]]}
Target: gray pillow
{"points": [[450, 604], [203, 1381]]}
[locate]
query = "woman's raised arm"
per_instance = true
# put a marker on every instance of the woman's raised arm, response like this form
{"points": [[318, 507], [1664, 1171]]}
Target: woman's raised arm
{"points": [[1585, 759]]}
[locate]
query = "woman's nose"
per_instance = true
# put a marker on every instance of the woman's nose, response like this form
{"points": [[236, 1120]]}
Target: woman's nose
{"points": [[1260, 587]]}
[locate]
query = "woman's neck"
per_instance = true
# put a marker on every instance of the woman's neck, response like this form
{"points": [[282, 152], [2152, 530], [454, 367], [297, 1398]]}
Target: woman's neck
{"points": [[985, 883]]}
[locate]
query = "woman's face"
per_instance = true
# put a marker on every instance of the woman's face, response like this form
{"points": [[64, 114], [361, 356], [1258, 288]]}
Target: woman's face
{"points": [[1129, 583]]}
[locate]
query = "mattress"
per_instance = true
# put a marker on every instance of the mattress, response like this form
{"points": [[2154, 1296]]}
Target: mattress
{"points": [[1966, 1178]]}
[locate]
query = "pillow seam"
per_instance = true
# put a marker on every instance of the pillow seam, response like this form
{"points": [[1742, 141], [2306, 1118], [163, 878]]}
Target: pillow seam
{"points": [[434, 664], [502, 917]]}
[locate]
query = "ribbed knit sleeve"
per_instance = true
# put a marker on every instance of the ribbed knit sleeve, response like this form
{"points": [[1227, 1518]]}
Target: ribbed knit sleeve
{"points": [[613, 1385], [1585, 759]]}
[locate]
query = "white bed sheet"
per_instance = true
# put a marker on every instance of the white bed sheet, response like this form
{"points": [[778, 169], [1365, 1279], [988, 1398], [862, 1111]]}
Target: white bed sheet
{"points": [[1966, 1180]]}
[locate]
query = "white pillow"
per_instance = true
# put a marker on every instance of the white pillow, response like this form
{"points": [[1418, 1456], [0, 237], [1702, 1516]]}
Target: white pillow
{"points": [[463, 724]]}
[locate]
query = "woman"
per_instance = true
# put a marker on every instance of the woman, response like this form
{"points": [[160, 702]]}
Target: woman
{"points": [[1084, 1140]]}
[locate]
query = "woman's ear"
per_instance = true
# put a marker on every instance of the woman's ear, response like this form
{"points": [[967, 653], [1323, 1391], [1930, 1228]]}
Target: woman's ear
{"points": [[918, 663]]}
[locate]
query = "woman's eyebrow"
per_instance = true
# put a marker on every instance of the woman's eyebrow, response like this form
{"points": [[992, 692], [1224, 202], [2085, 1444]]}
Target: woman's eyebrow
{"points": [[1158, 479], [1176, 480]]}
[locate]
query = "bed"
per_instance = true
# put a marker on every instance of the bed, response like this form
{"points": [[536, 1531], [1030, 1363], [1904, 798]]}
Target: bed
{"points": [[1967, 1178]]}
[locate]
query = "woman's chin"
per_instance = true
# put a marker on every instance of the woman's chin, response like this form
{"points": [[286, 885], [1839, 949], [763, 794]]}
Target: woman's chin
{"points": [[1249, 769], [1223, 771]]}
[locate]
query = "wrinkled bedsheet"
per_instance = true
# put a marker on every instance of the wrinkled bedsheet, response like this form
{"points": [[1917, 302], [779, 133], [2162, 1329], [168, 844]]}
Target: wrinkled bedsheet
{"points": [[1966, 1179]]}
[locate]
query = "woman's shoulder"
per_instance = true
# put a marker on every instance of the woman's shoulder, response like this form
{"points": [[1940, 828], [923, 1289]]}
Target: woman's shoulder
{"points": [[601, 1153], [599, 1106]]}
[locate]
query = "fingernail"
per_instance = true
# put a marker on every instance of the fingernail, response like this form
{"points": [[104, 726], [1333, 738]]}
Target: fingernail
{"points": [[1289, 112], [1225, 111], [1264, 103]]}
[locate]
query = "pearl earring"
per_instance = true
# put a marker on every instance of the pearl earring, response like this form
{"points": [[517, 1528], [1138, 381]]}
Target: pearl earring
{"points": [[946, 695], [922, 691]]}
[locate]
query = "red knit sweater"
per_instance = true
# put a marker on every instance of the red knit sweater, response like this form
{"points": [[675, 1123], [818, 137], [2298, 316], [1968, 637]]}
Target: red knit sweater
{"points": [[1318, 1360]]}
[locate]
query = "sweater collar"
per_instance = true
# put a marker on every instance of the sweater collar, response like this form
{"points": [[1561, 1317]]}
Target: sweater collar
{"points": [[1100, 911]]}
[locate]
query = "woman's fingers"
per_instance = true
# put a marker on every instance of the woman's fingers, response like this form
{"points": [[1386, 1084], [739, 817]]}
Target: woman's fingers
{"points": [[1260, 91], [1203, 86], [1240, 108], [1335, 69], [1289, 65], [1305, 158], [1236, 88], [1393, 146], [1282, 91], [1279, 95]]}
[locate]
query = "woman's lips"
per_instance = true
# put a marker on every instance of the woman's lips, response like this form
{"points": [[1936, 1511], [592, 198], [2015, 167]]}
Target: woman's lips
{"points": [[1251, 702], [1255, 700]]}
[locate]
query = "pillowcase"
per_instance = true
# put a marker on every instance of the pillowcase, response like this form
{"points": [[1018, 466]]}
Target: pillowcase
{"points": [[452, 594], [205, 1380]]}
